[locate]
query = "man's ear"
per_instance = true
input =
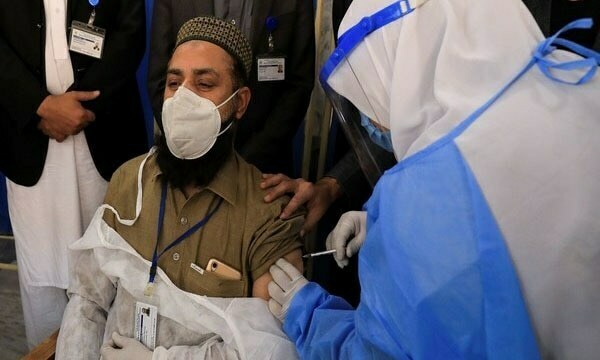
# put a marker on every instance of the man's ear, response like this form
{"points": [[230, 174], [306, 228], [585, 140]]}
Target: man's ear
{"points": [[243, 99]]}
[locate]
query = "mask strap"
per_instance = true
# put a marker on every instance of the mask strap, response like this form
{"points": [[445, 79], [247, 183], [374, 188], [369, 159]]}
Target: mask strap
{"points": [[227, 128], [229, 98], [231, 121]]}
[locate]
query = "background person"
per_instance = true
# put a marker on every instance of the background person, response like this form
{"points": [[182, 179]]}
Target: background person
{"points": [[554, 14], [265, 136], [67, 121], [343, 188]]}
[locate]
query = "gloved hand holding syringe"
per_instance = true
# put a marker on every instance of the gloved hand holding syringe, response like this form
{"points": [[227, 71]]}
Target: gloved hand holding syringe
{"points": [[346, 238]]}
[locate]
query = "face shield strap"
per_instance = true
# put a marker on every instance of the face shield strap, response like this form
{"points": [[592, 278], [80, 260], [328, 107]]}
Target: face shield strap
{"points": [[356, 34]]}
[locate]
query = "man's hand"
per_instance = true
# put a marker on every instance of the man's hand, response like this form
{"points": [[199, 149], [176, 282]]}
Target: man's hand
{"points": [[317, 197], [351, 226], [63, 115], [122, 347], [287, 281]]}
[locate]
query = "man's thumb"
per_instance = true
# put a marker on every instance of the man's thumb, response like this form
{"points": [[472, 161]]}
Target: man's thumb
{"points": [[118, 340], [86, 95]]}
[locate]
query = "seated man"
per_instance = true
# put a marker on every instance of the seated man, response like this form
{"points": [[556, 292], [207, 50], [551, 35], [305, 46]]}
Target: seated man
{"points": [[198, 226]]}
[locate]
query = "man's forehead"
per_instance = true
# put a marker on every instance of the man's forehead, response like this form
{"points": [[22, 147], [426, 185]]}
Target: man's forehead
{"points": [[200, 56], [202, 48]]}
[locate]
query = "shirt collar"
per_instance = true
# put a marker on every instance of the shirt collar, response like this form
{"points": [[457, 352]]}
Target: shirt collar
{"points": [[225, 182]]}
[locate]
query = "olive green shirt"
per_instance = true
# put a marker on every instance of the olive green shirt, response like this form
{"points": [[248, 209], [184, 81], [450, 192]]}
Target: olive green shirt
{"points": [[245, 233]]}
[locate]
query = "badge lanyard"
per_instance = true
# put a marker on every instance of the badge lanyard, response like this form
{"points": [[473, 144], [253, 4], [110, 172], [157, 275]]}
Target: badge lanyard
{"points": [[271, 24], [161, 214], [271, 65]]}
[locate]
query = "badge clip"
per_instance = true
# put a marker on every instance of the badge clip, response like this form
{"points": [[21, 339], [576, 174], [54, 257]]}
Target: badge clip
{"points": [[149, 289], [92, 18], [271, 24]]}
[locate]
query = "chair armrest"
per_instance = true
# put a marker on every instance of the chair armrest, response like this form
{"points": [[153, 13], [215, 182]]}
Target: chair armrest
{"points": [[45, 350]]}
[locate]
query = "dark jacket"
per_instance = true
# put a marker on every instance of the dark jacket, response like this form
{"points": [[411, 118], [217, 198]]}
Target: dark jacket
{"points": [[276, 109], [552, 15], [118, 133]]}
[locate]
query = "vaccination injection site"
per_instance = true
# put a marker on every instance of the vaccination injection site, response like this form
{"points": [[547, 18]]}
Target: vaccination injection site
{"points": [[299, 179]]}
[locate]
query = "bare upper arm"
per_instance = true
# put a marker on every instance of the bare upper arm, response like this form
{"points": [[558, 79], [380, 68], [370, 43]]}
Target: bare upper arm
{"points": [[259, 288]]}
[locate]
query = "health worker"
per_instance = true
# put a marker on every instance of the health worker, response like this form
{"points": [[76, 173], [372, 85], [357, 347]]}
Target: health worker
{"points": [[483, 241]]}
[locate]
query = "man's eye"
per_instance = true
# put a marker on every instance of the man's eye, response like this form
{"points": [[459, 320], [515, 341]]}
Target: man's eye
{"points": [[205, 85], [173, 84]]}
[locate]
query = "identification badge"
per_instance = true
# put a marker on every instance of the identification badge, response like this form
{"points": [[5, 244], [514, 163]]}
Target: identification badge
{"points": [[146, 317], [87, 39], [271, 68]]}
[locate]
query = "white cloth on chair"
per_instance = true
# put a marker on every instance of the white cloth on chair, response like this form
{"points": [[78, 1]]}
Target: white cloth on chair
{"points": [[110, 276]]}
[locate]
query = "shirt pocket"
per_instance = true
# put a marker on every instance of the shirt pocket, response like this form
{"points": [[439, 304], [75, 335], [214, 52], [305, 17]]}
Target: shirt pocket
{"points": [[214, 285]]}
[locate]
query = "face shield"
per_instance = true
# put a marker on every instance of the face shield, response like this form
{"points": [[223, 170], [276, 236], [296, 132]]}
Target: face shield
{"points": [[351, 89], [350, 120], [419, 68]]}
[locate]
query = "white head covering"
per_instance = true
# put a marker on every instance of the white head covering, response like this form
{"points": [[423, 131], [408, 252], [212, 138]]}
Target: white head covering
{"points": [[422, 74]]}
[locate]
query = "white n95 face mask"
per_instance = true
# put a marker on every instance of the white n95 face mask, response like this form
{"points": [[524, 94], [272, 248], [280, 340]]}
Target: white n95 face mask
{"points": [[191, 123]]}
